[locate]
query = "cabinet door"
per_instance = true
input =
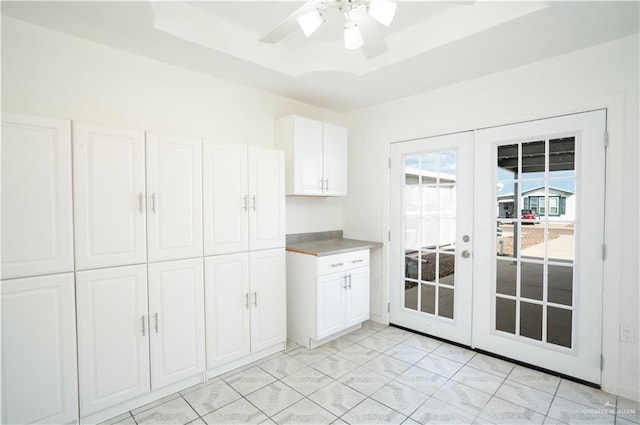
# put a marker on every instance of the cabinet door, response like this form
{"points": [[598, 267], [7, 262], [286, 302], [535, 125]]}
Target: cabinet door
{"points": [[39, 375], [109, 176], [37, 232], [357, 301], [266, 199], [174, 193], [226, 200], [335, 160], [227, 308], [113, 336], [307, 156], [176, 321], [331, 304], [267, 298]]}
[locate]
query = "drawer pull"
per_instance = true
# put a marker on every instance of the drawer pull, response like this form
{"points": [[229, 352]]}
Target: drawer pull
{"points": [[337, 265], [357, 261]]}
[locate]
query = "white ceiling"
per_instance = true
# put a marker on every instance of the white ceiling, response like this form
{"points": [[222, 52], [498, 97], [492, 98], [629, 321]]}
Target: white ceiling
{"points": [[431, 43]]}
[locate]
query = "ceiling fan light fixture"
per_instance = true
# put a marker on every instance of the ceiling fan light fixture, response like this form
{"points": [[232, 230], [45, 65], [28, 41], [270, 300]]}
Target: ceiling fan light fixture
{"points": [[382, 11], [352, 36], [310, 21]]}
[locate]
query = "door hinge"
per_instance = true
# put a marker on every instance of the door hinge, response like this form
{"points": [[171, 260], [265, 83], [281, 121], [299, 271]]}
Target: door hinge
{"points": [[604, 252], [389, 163], [601, 361], [388, 307], [606, 139], [389, 235]]}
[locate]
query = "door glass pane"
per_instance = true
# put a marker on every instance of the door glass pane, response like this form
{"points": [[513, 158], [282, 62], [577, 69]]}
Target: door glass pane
{"points": [[531, 280], [411, 295], [447, 238], [411, 167], [532, 241], [429, 232], [559, 326], [561, 242], [428, 299], [562, 157], [531, 320], [445, 302], [447, 268], [504, 239], [507, 166], [533, 160], [506, 315], [560, 281], [506, 277], [411, 265], [428, 262], [429, 168]]}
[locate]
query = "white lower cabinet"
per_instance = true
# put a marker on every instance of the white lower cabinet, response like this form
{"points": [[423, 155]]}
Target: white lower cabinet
{"points": [[128, 347], [326, 295], [113, 336], [176, 321], [245, 305], [39, 375]]}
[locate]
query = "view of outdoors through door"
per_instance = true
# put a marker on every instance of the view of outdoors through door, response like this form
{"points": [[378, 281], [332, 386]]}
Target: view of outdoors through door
{"points": [[535, 247], [430, 232]]}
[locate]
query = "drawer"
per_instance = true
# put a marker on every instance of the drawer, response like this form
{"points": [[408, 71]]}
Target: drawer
{"points": [[340, 262]]}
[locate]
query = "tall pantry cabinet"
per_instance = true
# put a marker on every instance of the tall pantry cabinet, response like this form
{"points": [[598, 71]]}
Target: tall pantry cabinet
{"points": [[39, 371], [116, 273], [123, 183], [244, 253]]}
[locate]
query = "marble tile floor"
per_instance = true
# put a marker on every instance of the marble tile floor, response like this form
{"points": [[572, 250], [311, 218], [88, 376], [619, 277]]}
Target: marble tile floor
{"points": [[384, 375]]}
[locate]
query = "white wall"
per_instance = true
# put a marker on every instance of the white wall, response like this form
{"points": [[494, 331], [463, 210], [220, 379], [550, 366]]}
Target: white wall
{"points": [[51, 74], [601, 76]]}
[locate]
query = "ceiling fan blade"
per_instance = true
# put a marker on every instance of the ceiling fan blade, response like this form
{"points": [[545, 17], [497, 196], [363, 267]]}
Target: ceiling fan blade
{"points": [[285, 27], [373, 42]]}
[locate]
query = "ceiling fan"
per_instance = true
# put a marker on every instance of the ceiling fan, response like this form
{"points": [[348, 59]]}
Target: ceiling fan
{"points": [[361, 27]]}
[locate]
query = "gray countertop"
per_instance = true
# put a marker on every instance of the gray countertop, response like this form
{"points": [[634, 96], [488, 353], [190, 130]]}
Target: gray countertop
{"points": [[326, 243]]}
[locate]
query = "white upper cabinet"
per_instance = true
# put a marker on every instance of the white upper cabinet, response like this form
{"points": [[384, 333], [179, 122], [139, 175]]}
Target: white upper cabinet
{"points": [[39, 369], [316, 156], [37, 227], [244, 206], [109, 192], [176, 321], [113, 336], [266, 199], [174, 197], [226, 198], [334, 164]]}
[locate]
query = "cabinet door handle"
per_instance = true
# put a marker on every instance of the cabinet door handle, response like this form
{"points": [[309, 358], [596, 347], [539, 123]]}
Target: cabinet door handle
{"points": [[246, 203], [349, 285], [321, 184], [345, 282], [255, 298], [140, 202], [327, 183], [246, 301], [253, 201], [153, 203], [337, 265], [357, 261], [156, 317], [144, 327]]}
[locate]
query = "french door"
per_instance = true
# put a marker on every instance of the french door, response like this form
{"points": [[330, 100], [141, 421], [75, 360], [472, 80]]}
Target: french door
{"points": [[526, 240], [432, 214]]}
